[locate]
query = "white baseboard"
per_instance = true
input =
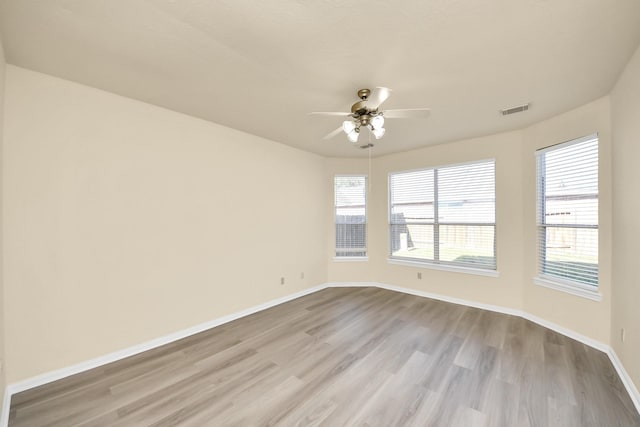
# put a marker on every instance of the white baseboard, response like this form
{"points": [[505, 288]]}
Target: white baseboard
{"points": [[121, 354], [624, 376], [6, 402], [424, 294], [566, 332], [131, 351], [626, 379], [495, 308]]}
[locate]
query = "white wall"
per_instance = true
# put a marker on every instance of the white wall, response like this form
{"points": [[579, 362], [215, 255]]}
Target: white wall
{"points": [[124, 222], [625, 113]]}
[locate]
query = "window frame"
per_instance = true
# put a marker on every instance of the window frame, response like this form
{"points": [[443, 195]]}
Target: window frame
{"points": [[351, 258], [436, 263], [566, 285]]}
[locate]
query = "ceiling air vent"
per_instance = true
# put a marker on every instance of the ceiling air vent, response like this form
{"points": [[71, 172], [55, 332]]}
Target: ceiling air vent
{"points": [[517, 109]]}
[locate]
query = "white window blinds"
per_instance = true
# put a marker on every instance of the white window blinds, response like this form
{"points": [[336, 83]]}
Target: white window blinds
{"points": [[444, 215], [351, 216], [567, 212]]}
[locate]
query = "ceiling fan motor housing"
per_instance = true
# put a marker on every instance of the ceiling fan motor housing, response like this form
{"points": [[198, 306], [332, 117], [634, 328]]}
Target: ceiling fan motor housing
{"points": [[364, 94], [359, 108]]}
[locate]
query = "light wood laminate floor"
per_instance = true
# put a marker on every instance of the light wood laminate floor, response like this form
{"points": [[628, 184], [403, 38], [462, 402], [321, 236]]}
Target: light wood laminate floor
{"points": [[348, 357]]}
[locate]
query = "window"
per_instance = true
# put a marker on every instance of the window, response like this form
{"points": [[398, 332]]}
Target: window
{"points": [[444, 215], [351, 216], [567, 213]]}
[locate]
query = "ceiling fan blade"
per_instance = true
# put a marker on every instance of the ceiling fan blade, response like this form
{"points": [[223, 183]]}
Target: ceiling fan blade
{"points": [[407, 113], [377, 97], [329, 113], [333, 133]]}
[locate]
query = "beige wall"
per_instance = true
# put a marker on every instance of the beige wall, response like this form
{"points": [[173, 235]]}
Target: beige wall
{"points": [[516, 223], [2, 321], [125, 222], [590, 318], [505, 290], [349, 271], [625, 109]]}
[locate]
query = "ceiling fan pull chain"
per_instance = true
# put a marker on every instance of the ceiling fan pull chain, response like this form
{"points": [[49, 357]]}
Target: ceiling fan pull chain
{"points": [[369, 176]]}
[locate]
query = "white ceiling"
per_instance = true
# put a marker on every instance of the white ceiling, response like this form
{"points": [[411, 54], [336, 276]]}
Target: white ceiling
{"points": [[261, 66]]}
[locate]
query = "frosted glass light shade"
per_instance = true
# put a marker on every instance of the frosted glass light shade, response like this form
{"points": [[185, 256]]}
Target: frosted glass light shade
{"points": [[348, 126], [378, 133], [377, 122], [353, 136]]}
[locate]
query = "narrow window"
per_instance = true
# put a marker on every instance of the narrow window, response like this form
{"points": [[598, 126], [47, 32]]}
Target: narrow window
{"points": [[351, 216], [567, 212]]}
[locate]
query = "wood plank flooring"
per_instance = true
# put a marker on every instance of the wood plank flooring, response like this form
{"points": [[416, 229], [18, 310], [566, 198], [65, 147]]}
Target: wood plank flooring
{"points": [[347, 357]]}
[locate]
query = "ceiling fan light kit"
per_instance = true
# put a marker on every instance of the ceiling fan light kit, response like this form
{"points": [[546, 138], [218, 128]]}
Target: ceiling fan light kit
{"points": [[375, 125], [365, 114]]}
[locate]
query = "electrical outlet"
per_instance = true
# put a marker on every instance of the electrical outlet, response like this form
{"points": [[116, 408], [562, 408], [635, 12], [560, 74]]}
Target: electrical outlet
{"points": [[623, 334], [302, 275], [282, 280], [420, 275]]}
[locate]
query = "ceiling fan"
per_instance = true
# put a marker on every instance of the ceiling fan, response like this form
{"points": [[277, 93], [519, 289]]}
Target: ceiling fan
{"points": [[366, 113]]}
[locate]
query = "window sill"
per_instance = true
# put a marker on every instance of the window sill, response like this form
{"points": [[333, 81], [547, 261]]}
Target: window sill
{"points": [[350, 258], [456, 269], [569, 288]]}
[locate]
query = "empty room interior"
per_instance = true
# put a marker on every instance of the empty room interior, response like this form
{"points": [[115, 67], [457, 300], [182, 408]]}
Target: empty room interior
{"points": [[331, 213]]}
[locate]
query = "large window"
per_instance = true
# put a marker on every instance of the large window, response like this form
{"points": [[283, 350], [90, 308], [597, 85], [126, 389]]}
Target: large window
{"points": [[351, 216], [567, 213], [444, 215]]}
